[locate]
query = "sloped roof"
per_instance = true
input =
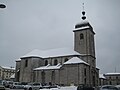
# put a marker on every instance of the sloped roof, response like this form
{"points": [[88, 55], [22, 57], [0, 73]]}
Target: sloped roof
{"points": [[13, 76], [112, 74], [75, 60], [8, 67], [49, 67], [51, 53], [102, 76], [85, 27]]}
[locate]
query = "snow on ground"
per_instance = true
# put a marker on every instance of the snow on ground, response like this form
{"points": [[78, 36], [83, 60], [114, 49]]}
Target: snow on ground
{"points": [[63, 88]]}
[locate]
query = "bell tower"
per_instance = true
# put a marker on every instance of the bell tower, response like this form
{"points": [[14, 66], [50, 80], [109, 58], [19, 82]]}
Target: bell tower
{"points": [[84, 44], [84, 37]]}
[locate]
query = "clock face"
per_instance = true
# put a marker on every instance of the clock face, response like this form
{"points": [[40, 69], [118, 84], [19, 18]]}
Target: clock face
{"points": [[2, 6]]}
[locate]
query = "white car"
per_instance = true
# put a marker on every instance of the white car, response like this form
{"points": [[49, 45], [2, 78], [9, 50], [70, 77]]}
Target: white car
{"points": [[108, 87], [17, 85], [118, 86], [33, 86]]}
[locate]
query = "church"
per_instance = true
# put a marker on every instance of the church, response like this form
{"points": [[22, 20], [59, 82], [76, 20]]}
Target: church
{"points": [[63, 66]]}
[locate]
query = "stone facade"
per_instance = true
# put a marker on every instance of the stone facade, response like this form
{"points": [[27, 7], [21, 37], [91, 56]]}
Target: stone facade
{"points": [[37, 66], [112, 78]]}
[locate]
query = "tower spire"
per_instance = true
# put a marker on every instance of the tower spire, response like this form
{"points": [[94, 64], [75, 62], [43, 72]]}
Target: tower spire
{"points": [[83, 13]]}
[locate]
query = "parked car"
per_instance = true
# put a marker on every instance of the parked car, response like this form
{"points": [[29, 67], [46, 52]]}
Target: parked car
{"points": [[118, 86], [33, 86], [108, 87], [7, 84], [1, 86], [17, 85], [83, 87]]}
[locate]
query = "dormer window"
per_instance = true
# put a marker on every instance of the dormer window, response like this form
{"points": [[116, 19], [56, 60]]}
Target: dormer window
{"points": [[81, 36]]}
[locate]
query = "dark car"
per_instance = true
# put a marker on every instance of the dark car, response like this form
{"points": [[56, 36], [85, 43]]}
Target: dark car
{"points": [[1, 86], [84, 87]]}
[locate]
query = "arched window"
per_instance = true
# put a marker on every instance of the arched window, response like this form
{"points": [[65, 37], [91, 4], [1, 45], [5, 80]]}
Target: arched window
{"points": [[66, 59], [55, 62], [81, 36], [46, 62]]}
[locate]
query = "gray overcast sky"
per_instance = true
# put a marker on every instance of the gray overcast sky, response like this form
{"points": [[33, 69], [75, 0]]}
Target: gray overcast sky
{"points": [[45, 24]]}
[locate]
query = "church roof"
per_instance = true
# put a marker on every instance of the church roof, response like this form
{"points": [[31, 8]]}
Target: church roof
{"points": [[80, 28], [84, 24], [75, 60], [49, 67], [51, 53], [102, 76]]}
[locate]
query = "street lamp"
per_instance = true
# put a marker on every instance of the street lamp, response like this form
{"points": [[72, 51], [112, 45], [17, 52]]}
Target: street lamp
{"points": [[2, 6]]}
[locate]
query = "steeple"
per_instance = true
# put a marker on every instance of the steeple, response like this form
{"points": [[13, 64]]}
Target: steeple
{"points": [[83, 13], [84, 37]]}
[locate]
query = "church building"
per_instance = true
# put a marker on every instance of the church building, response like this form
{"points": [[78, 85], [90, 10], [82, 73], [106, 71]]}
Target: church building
{"points": [[63, 66]]}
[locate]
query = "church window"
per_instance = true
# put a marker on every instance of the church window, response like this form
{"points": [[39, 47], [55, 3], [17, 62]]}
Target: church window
{"points": [[66, 59], [55, 62], [85, 81], [85, 71], [53, 77], [110, 83], [26, 63], [46, 62], [81, 36]]}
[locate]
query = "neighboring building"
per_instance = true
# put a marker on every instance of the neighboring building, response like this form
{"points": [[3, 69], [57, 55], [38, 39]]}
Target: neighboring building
{"points": [[6, 72], [102, 80], [112, 78], [63, 66]]}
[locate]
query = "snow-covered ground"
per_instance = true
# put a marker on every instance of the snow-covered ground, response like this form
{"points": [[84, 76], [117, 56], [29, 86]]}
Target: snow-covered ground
{"points": [[63, 88]]}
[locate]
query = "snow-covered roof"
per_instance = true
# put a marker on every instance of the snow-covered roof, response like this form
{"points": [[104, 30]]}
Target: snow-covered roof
{"points": [[112, 74], [102, 76], [8, 67], [83, 22], [13, 76], [51, 53], [18, 59], [49, 67], [85, 27], [75, 60]]}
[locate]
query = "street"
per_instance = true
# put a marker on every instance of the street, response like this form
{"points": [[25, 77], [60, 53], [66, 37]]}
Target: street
{"points": [[13, 89]]}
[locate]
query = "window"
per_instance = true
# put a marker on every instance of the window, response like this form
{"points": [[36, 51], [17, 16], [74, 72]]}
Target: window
{"points": [[81, 36], [26, 63], [85, 81], [55, 62], [110, 83], [46, 62], [85, 71], [66, 59]]}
